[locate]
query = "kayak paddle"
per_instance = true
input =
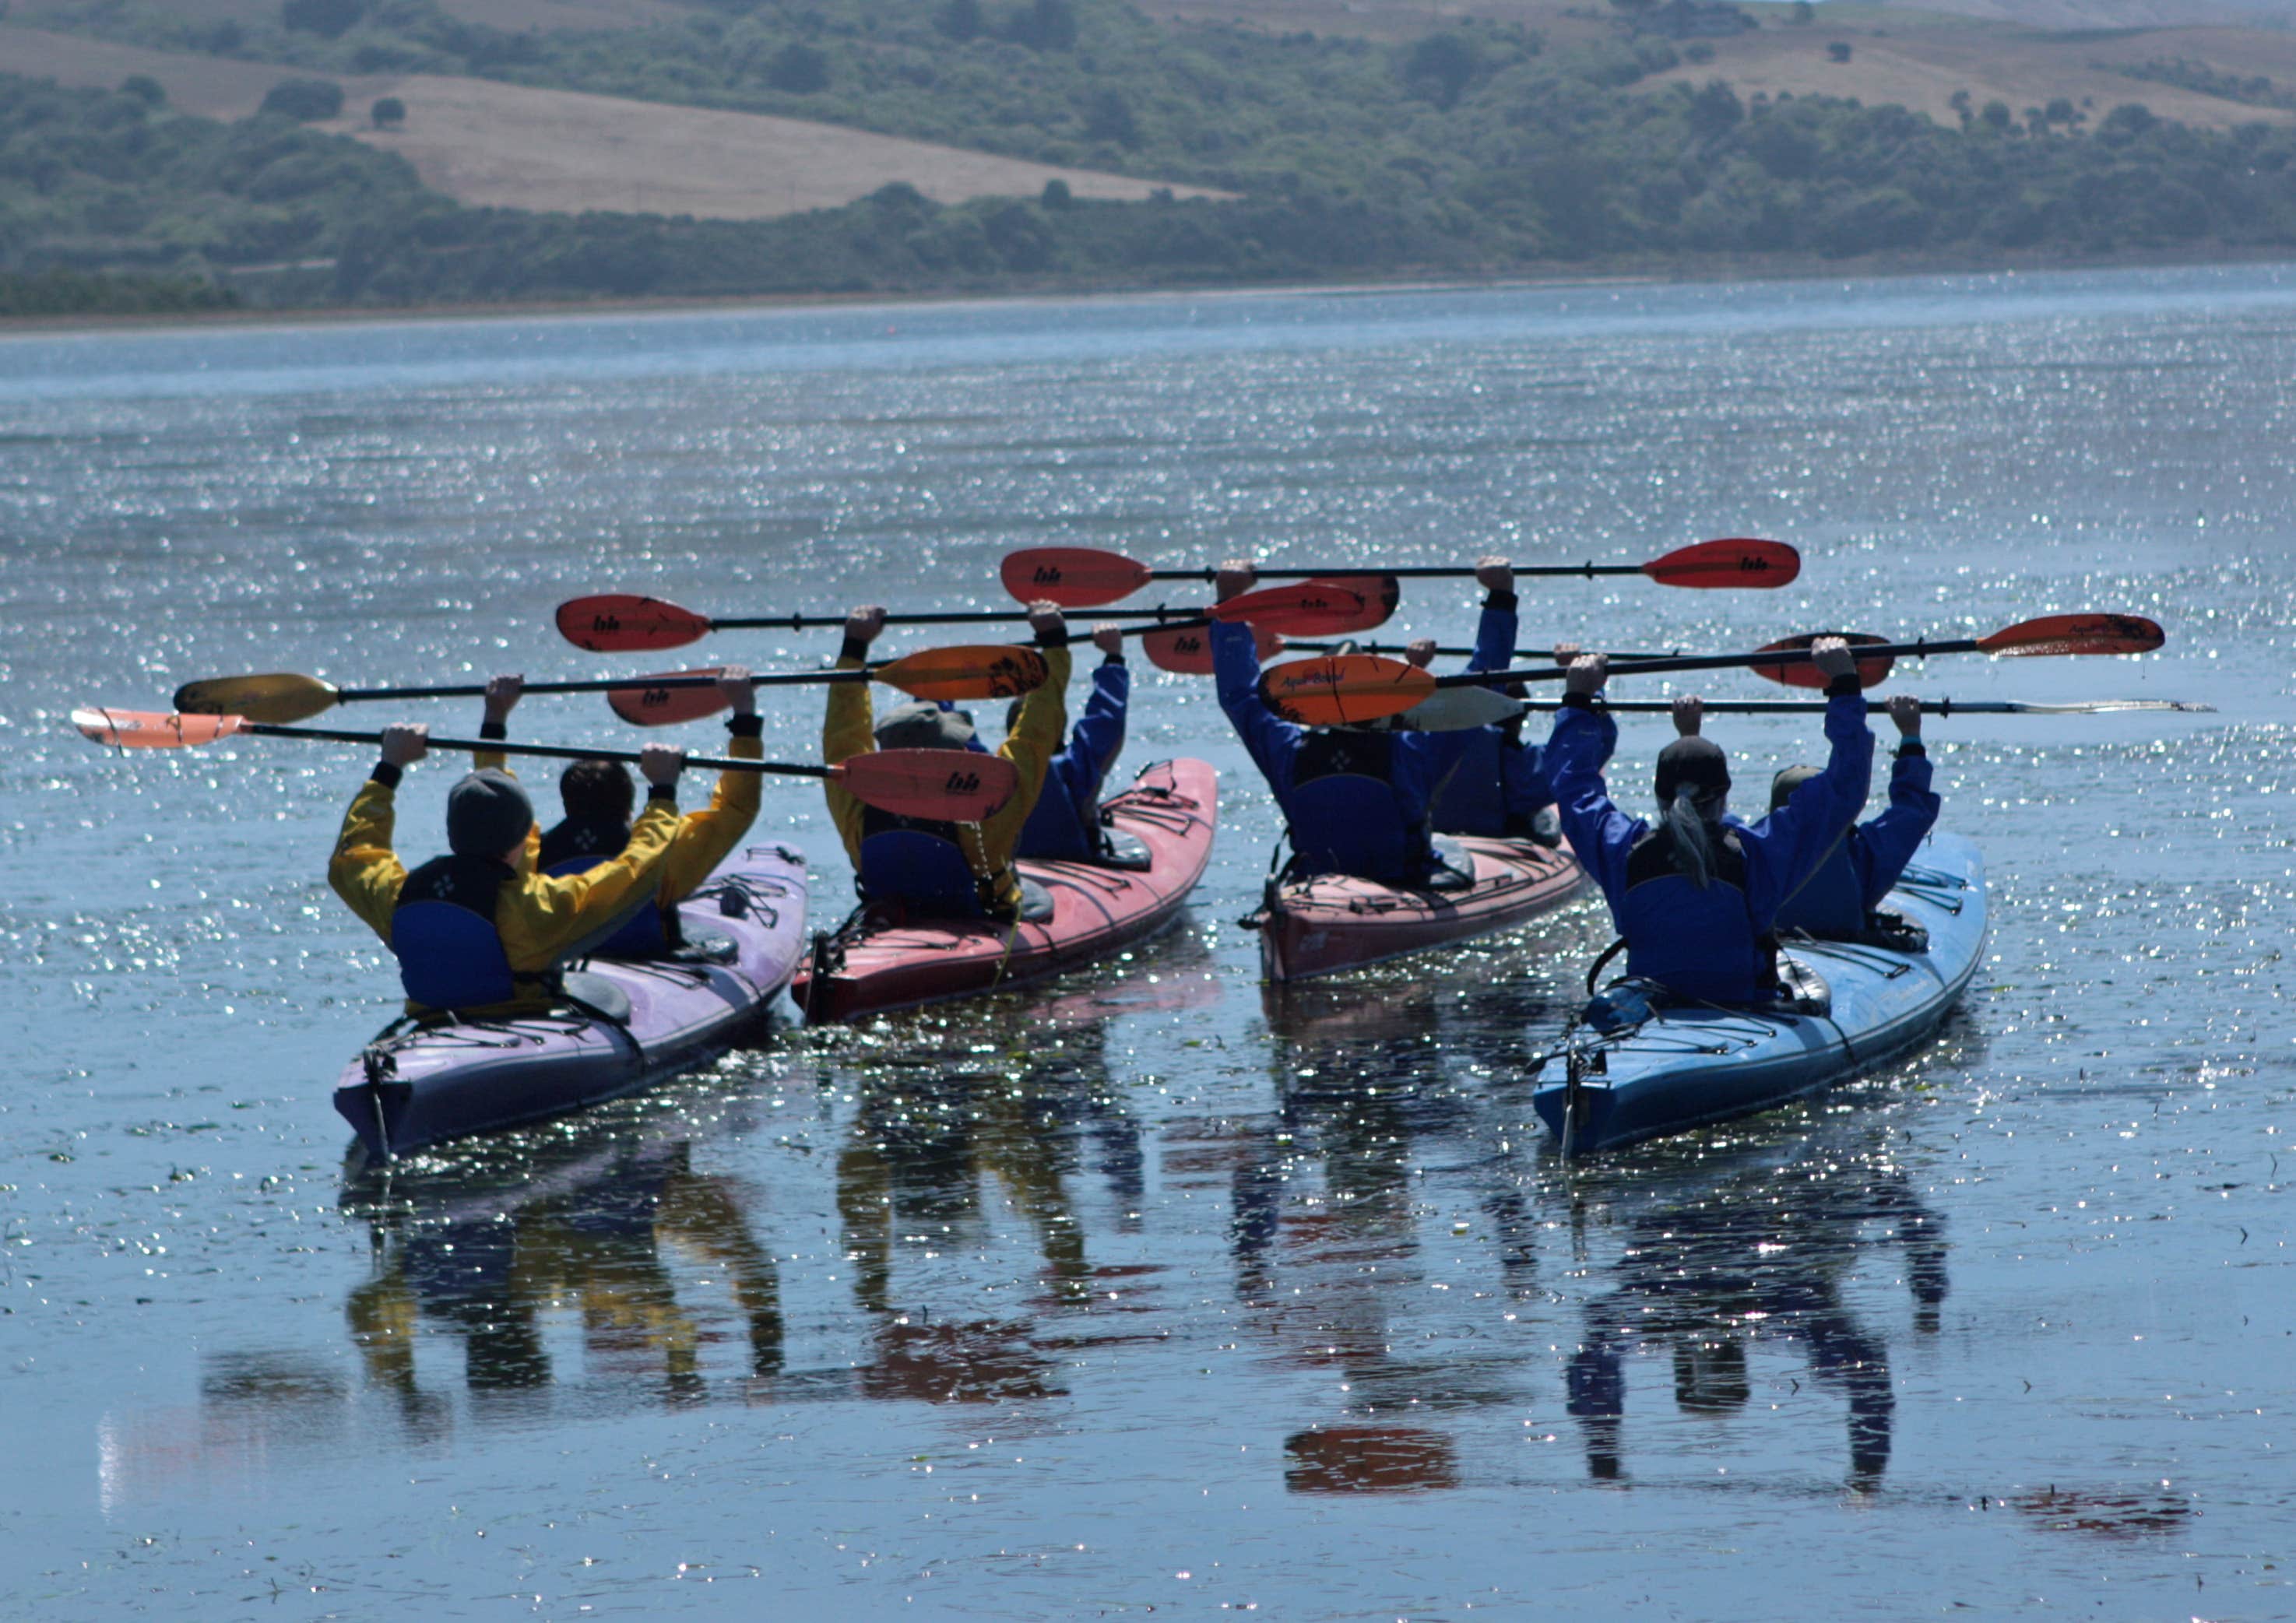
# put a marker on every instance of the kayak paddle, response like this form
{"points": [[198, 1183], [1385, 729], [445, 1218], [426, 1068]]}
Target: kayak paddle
{"points": [[1085, 577], [944, 785], [988, 671], [622, 622], [1345, 690], [1449, 653], [1880, 707]]}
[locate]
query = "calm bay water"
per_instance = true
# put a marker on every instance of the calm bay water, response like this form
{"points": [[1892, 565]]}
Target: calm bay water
{"points": [[1151, 1291]]}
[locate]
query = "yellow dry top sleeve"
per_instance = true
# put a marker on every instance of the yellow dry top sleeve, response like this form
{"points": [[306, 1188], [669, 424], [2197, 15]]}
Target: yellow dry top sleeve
{"points": [[541, 919], [707, 837], [1038, 735], [847, 730], [364, 870]]}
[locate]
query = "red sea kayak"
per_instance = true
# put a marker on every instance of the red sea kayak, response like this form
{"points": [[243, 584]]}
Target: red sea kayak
{"points": [[1310, 926], [872, 965]]}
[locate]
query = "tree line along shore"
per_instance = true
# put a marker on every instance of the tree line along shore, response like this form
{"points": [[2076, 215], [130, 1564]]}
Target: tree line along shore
{"points": [[1474, 151]]}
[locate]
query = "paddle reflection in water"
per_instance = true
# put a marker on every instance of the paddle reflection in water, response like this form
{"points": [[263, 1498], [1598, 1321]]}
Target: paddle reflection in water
{"points": [[1759, 1257]]}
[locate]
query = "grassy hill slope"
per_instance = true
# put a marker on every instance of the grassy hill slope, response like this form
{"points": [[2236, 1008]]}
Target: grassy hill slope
{"points": [[513, 146]]}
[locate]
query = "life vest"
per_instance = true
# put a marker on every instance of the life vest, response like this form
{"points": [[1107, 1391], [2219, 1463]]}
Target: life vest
{"points": [[575, 846], [1056, 829], [919, 863], [1343, 812], [450, 955], [1698, 944], [1830, 902]]}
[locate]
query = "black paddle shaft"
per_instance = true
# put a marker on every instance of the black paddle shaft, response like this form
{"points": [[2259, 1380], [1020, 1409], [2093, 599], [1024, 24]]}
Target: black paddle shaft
{"points": [[1720, 661], [954, 617], [562, 752]]}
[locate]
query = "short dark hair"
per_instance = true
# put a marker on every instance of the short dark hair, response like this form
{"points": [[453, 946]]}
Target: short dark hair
{"points": [[599, 790]]}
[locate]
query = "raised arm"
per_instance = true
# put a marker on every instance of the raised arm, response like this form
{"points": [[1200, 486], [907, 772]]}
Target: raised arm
{"points": [[1495, 633], [847, 724], [1784, 848], [1271, 740], [364, 870], [1599, 833], [1037, 735], [1888, 843]]}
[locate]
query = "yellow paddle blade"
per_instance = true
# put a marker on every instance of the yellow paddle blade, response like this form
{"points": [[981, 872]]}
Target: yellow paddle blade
{"points": [[989, 671], [279, 697], [151, 730]]}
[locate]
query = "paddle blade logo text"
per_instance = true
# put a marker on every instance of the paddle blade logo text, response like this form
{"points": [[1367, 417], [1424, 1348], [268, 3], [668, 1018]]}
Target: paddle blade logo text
{"points": [[962, 783]]}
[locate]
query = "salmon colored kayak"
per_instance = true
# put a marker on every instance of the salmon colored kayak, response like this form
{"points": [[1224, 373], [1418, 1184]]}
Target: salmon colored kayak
{"points": [[1321, 926], [872, 965]]}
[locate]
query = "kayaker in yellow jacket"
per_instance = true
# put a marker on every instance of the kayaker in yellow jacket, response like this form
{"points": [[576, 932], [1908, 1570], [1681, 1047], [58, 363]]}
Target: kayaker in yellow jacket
{"points": [[477, 931], [945, 870], [599, 797]]}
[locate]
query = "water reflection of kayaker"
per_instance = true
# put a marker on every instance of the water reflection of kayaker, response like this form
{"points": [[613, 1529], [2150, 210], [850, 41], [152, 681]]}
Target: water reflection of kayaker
{"points": [[944, 870], [1065, 825], [1839, 898], [491, 1276], [1761, 1262], [925, 1143], [598, 796], [478, 930], [1356, 801], [1500, 787], [1694, 898]]}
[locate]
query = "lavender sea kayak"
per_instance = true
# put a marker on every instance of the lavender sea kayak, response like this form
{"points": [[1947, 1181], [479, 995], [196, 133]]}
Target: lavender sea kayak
{"points": [[636, 1022]]}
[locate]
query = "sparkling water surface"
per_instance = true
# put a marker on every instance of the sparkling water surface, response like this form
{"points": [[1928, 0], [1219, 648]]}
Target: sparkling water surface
{"points": [[1151, 1291]]}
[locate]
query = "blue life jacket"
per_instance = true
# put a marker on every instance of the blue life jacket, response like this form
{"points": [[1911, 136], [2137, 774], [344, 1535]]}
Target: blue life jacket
{"points": [[920, 864], [1343, 812], [450, 955], [1832, 901], [576, 846], [1698, 944], [1056, 831]]}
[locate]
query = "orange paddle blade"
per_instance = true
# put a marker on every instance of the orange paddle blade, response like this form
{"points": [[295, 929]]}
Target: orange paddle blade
{"points": [[1871, 673], [994, 670], [661, 706], [2076, 633], [1343, 690], [1073, 577], [621, 622], [153, 729], [942, 786], [1723, 565]]}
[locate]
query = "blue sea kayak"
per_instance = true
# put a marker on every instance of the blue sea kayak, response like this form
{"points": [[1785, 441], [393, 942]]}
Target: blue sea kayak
{"points": [[1857, 1006]]}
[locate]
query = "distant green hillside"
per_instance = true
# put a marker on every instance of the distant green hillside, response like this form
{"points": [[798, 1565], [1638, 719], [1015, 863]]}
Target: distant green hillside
{"points": [[1474, 150]]}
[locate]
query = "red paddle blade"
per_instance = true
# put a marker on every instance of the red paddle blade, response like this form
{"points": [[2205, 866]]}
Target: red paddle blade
{"points": [[941, 785], [1871, 673], [621, 622], [153, 729], [1073, 577], [2076, 633], [1381, 595], [1187, 650], [1343, 690], [661, 706], [1306, 607], [993, 670], [1725, 565]]}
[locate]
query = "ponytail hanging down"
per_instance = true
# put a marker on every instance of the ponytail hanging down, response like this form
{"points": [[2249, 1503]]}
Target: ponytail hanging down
{"points": [[1693, 839]]}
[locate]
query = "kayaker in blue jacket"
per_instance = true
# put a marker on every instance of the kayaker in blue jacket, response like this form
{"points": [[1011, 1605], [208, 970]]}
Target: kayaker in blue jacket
{"points": [[1861, 868], [1501, 787], [1694, 899], [1065, 825], [1355, 800]]}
